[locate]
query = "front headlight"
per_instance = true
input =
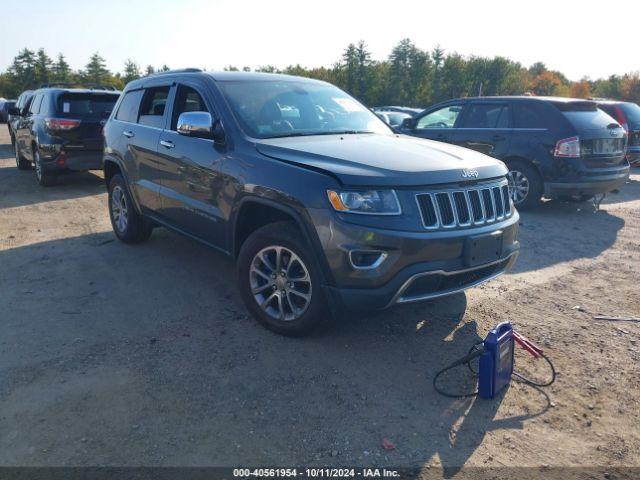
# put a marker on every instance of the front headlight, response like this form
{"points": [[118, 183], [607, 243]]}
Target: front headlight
{"points": [[373, 202]]}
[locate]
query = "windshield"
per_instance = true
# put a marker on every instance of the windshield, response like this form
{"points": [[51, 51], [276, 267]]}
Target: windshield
{"points": [[87, 104], [290, 108], [632, 112]]}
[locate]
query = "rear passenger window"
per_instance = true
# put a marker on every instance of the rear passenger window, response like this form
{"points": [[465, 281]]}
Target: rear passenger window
{"points": [[486, 116], [527, 116], [35, 104], [187, 100], [128, 109], [153, 106]]}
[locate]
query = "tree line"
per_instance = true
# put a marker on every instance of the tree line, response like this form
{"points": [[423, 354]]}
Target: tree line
{"points": [[409, 76]]}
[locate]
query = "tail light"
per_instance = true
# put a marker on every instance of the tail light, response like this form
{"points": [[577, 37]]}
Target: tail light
{"points": [[61, 124], [568, 147], [621, 119], [62, 159]]}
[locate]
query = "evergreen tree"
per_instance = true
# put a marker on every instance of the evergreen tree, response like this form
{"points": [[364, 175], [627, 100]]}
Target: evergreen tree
{"points": [[131, 71], [61, 70], [96, 70], [22, 71], [43, 67]]}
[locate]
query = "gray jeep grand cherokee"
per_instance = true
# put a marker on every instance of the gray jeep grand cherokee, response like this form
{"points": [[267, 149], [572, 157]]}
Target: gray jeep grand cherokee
{"points": [[321, 204]]}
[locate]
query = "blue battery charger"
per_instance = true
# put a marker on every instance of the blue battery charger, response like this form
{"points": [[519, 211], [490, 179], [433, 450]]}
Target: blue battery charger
{"points": [[496, 361]]}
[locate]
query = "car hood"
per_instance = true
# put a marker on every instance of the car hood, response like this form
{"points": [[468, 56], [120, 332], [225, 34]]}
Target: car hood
{"points": [[382, 160]]}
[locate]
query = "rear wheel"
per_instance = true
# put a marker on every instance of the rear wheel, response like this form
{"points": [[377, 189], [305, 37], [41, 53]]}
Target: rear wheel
{"points": [[44, 179], [525, 184], [128, 225], [21, 162], [279, 281]]}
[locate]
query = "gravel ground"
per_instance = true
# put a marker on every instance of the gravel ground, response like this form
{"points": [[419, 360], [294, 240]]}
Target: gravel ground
{"points": [[144, 355]]}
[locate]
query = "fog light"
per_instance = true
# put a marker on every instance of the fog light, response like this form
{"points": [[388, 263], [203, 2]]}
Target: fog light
{"points": [[366, 259], [62, 159]]}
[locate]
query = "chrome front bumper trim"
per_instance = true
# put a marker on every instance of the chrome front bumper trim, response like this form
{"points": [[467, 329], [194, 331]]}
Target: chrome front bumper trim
{"points": [[398, 298]]}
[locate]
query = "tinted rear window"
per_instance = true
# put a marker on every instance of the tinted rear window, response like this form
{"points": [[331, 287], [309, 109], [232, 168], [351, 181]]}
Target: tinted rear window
{"points": [[584, 115], [86, 104]]}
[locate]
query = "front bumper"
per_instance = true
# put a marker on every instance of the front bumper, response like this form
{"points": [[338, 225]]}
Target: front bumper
{"points": [[417, 266], [409, 286]]}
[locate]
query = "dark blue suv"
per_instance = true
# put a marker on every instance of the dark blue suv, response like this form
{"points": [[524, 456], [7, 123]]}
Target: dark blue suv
{"points": [[557, 147], [321, 204], [59, 130]]}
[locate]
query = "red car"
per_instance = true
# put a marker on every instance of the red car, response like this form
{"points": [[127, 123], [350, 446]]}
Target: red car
{"points": [[626, 114]]}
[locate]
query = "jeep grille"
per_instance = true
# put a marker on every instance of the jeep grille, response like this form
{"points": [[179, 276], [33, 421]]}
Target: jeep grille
{"points": [[465, 207]]}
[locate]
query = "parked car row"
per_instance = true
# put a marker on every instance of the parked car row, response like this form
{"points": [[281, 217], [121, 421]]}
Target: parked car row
{"points": [[556, 147], [323, 206], [59, 130]]}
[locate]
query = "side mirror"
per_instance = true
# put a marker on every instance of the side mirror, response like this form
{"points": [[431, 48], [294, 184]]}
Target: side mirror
{"points": [[13, 111], [408, 123], [195, 124]]}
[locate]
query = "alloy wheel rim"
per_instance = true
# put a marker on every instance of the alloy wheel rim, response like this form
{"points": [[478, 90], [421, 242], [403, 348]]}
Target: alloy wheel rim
{"points": [[119, 209], [17, 154], [518, 186], [280, 283]]}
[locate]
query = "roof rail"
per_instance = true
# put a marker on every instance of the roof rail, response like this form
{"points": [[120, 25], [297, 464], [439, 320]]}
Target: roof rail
{"points": [[97, 86], [181, 70], [88, 86], [57, 84]]}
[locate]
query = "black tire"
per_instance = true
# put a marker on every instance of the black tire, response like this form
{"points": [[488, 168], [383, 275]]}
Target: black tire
{"points": [[21, 162], [128, 225], [44, 178], [534, 182], [309, 316]]}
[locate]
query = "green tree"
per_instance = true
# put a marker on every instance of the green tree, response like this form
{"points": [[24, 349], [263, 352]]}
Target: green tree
{"points": [[131, 71], [61, 71], [43, 67], [409, 77], [96, 70], [22, 72]]}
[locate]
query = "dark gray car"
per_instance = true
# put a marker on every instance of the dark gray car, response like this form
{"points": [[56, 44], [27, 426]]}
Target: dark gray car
{"points": [[321, 204]]}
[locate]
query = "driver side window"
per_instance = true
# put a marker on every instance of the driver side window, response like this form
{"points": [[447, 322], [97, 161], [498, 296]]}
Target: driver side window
{"points": [[187, 100], [441, 118]]}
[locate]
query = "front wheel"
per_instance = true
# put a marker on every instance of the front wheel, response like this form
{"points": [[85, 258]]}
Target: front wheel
{"points": [[279, 281], [525, 184], [128, 225]]}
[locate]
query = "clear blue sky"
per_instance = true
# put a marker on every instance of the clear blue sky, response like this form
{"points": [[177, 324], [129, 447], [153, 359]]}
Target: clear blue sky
{"points": [[576, 37]]}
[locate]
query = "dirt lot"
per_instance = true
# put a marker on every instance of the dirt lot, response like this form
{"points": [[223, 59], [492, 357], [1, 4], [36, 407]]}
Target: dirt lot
{"points": [[144, 355]]}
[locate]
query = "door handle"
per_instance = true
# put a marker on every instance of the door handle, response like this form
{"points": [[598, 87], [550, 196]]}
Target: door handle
{"points": [[128, 133], [167, 144], [497, 138]]}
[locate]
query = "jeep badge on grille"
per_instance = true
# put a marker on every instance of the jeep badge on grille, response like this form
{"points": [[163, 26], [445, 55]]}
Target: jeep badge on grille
{"points": [[469, 173]]}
